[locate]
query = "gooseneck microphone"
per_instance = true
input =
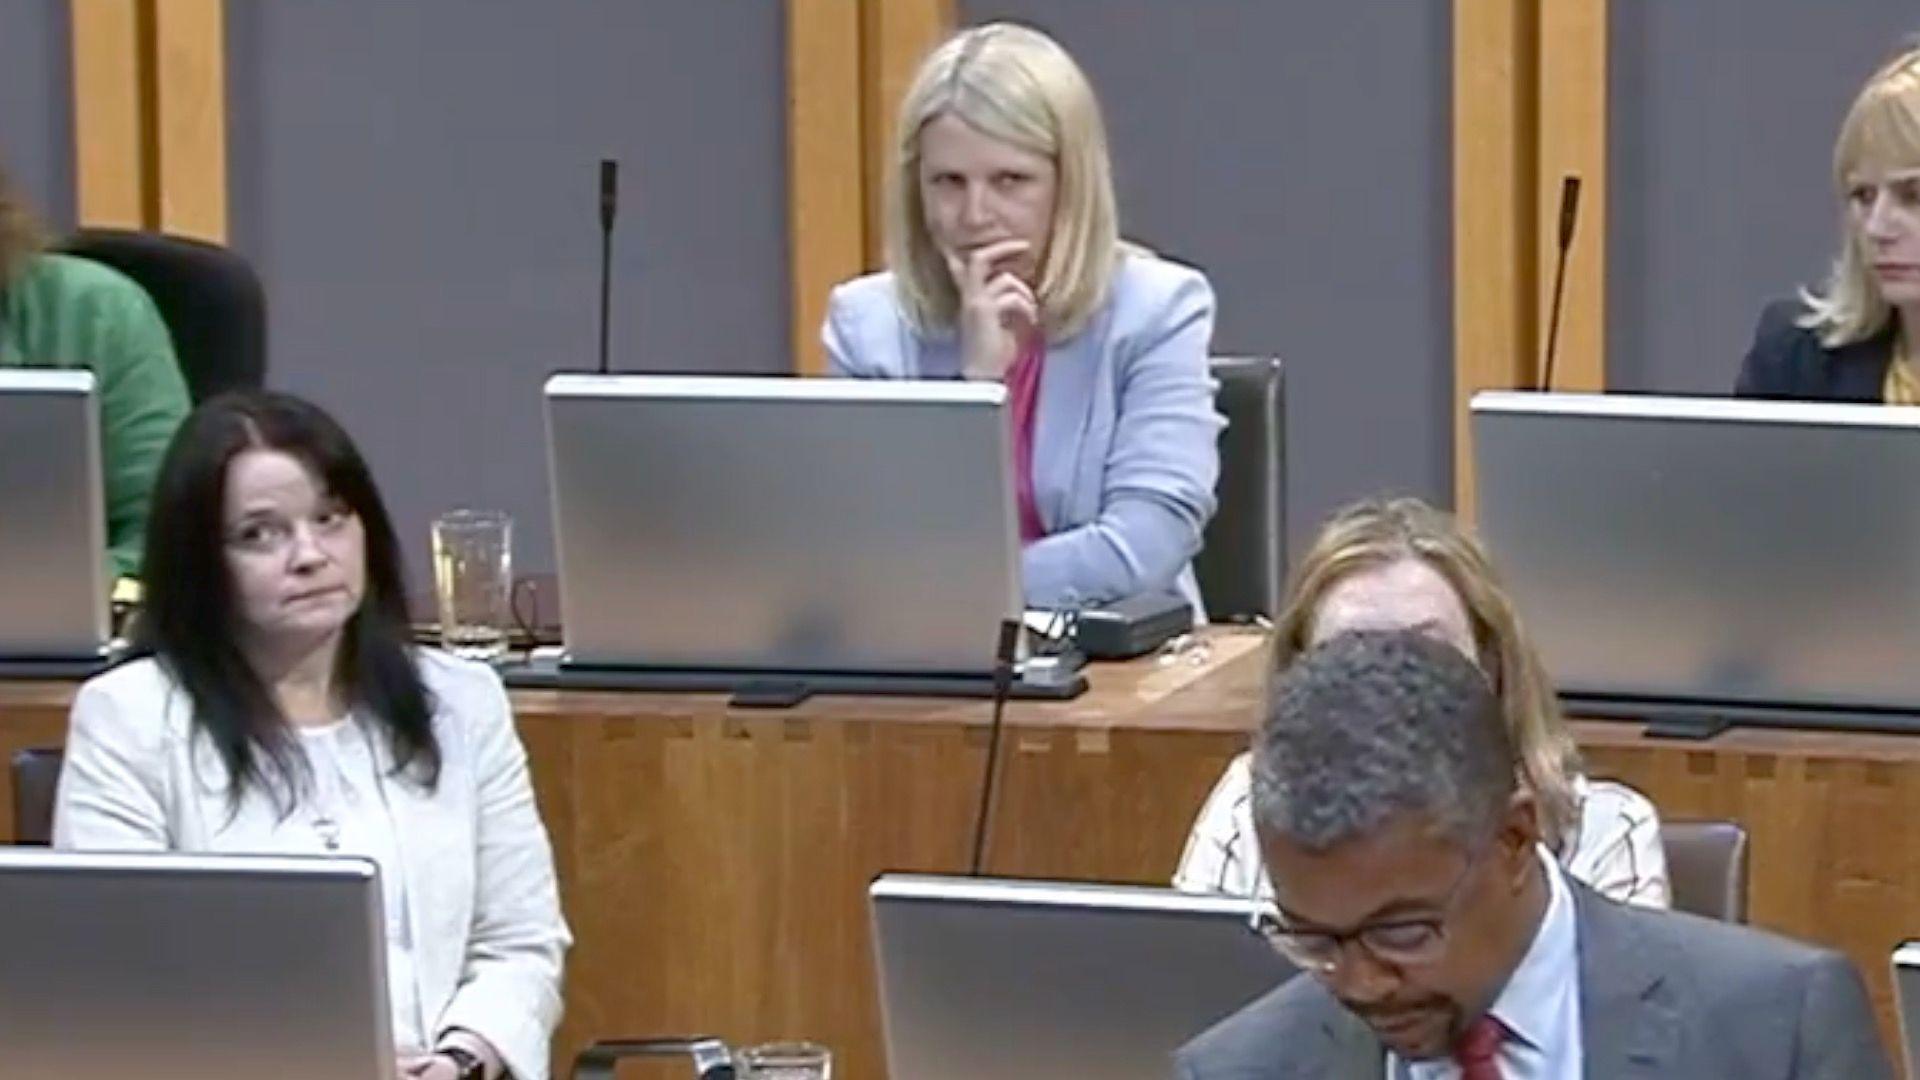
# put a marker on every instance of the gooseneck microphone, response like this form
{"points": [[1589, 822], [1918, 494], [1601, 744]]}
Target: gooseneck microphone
{"points": [[1569, 214], [609, 202], [1002, 687]]}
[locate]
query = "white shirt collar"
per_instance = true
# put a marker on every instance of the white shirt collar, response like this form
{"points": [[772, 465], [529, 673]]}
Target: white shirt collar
{"points": [[1531, 1002], [1539, 1005]]}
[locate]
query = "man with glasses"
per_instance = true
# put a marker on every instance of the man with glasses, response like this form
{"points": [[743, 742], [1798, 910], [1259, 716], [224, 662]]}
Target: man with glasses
{"points": [[1444, 942]]}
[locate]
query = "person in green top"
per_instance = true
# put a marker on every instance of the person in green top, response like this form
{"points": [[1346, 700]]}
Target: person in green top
{"points": [[57, 311]]}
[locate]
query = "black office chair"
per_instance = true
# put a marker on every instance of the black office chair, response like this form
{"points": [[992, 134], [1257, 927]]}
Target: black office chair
{"points": [[1707, 867], [36, 776], [1242, 563], [209, 297]]}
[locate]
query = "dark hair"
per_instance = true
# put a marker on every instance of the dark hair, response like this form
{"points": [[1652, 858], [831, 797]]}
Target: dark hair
{"points": [[190, 622], [1374, 725]]}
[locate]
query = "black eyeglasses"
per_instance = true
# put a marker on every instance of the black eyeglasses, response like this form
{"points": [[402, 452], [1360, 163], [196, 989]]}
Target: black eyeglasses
{"points": [[1395, 942]]}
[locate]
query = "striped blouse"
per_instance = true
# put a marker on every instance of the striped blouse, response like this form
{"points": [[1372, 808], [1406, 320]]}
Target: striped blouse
{"points": [[1617, 851]]}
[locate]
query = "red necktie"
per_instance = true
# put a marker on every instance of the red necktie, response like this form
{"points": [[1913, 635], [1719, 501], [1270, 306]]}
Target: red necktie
{"points": [[1478, 1051]]}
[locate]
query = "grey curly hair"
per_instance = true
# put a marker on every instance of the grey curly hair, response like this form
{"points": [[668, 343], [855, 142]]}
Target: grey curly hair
{"points": [[1375, 725]]}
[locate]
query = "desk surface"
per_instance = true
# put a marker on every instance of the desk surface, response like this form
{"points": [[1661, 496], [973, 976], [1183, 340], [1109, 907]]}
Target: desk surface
{"points": [[714, 861], [1213, 687], [1774, 742]]}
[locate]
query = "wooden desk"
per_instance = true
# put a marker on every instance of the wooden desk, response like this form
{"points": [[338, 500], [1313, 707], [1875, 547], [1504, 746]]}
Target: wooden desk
{"points": [[714, 862], [1834, 820]]}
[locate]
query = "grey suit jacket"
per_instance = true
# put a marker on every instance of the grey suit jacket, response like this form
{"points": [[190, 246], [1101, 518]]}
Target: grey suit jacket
{"points": [[1662, 994], [1125, 436]]}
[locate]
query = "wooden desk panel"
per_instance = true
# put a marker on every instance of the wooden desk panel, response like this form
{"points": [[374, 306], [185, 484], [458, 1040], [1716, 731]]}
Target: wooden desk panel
{"points": [[714, 862], [32, 715], [1834, 821]]}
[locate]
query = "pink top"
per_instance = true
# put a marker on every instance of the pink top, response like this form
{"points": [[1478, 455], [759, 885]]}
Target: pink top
{"points": [[1023, 397]]}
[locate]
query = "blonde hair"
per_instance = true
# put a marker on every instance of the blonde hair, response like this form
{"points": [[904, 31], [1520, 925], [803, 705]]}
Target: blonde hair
{"points": [[1882, 126], [1377, 533], [1017, 85], [21, 236]]}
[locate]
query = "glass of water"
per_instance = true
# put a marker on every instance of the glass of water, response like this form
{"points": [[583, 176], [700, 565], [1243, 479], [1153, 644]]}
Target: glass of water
{"points": [[473, 581], [787, 1061]]}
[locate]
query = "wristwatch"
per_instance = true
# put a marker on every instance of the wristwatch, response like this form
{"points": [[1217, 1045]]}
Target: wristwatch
{"points": [[469, 1066]]}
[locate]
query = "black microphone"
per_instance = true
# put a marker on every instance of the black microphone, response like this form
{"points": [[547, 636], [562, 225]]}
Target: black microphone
{"points": [[1569, 214], [1002, 686], [609, 200]]}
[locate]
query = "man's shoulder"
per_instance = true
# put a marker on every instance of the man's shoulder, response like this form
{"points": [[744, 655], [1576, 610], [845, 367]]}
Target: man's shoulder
{"points": [[1755, 1004], [1723, 962], [1245, 1045], [1693, 937]]}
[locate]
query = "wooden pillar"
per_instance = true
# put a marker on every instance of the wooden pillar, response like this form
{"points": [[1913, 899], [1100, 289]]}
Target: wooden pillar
{"points": [[1494, 222], [109, 128], [895, 36], [1529, 108], [848, 63], [189, 108], [1573, 141], [149, 105], [826, 184]]}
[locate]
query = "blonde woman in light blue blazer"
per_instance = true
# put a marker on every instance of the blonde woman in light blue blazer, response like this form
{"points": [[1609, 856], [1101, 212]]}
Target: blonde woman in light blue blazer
{"points": [[1006, 264]]}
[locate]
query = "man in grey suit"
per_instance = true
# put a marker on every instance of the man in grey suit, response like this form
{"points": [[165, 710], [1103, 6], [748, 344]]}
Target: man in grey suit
{"points": [[1444, 942]]}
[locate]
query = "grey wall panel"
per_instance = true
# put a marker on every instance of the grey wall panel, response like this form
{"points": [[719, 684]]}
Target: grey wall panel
{"points": [[417, 184], [1723, 115], [36, 105], [1301, 153]]}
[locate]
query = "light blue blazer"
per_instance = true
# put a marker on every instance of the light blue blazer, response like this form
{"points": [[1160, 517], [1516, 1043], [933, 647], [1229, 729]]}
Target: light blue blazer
{"points": [[1125, 440]]}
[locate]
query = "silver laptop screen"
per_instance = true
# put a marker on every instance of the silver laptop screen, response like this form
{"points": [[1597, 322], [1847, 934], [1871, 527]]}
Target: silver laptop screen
{"points": [[1755, 552], [782, 524], [53, 571]]}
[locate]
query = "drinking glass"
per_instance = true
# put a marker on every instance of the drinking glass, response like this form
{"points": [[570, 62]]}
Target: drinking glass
{"points": [[787, 1061], [473, 578]]}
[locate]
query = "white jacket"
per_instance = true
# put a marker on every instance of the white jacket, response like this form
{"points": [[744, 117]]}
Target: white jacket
{"points": [[489, 939]]}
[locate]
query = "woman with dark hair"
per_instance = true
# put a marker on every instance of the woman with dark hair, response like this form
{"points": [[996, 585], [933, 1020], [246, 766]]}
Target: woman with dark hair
{"points": [[280, 707], [57, 311]]}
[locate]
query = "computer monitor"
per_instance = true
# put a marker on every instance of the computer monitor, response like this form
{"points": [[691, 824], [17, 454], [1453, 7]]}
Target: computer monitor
{"points": [[990, 979], [1906, 996], [1741, 555], [53, 569], [184, 967], [782, 525]]}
